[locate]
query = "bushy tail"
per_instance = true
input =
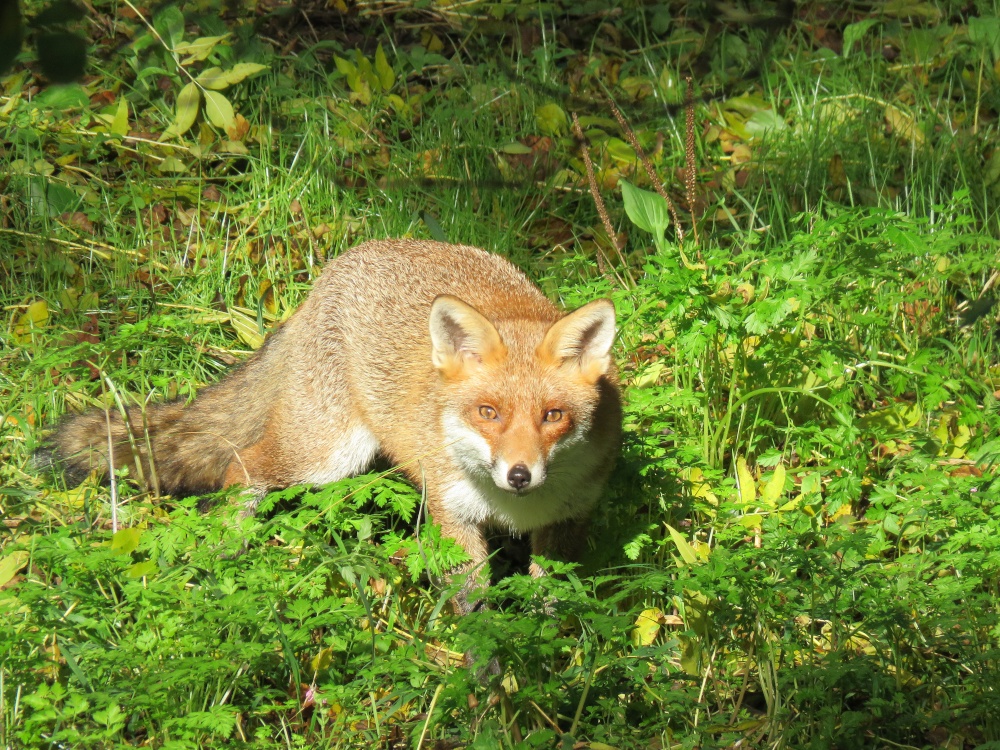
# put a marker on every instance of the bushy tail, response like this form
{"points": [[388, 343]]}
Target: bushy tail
{"points": [[191, 445]]}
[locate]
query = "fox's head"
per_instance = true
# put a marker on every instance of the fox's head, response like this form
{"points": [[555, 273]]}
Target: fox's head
{"points": [[519, 392]]}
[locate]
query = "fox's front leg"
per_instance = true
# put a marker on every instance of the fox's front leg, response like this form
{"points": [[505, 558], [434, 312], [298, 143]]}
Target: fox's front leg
{"points": [[561, 541], [475, 570]]}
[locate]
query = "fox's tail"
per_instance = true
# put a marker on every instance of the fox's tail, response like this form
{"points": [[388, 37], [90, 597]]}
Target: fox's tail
{"points": [[173, 448]]}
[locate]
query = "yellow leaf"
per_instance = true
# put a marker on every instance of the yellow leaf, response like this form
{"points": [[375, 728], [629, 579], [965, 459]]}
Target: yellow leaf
{"points": [[125, 540], [700, 488], [551, 119], [34, 318], [322, 660], [213, 78], [744, 481], [647, 627], [904, 125], [11, 564], [774, 487], [247, 329]]}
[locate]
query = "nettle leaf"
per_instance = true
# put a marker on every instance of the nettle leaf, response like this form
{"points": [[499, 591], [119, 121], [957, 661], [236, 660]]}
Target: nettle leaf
{"points": [[646, 209], [188, 101], [218, 110]]}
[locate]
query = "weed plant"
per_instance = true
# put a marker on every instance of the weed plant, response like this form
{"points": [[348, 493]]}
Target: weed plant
{"points": [[800, 545]]}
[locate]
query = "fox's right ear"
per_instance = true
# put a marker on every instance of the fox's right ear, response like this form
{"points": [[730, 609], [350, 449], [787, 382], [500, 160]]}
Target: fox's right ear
{"points": [[461, 337]]}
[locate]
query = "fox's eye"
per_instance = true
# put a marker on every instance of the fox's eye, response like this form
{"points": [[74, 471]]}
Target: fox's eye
{"points": [[553, 415], [487, 412]]}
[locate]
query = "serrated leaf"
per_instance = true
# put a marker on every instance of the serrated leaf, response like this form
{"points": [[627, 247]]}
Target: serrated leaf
{"points": [[744, 480], [646, 209], [11, 564], [125, 540], [213, 78], [218, 110], [186, 111], [386, 75], [647, 627], [119, 125], [687, 552], [241, 71]]}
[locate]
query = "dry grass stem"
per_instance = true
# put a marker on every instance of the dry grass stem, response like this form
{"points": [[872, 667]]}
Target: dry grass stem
{"points": [[648, 166]]}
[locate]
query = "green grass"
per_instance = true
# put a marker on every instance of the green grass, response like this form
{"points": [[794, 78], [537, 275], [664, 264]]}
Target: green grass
{"points": [[799, 547]]}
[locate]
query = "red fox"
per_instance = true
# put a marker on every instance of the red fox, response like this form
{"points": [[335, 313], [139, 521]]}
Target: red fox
{"points": [[443, 358]]}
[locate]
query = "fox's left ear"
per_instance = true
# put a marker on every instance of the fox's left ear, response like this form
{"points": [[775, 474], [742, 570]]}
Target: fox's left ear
{"points": [[583, 339]]}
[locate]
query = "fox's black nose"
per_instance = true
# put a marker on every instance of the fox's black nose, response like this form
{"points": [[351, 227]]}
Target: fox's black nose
{"points": [[519, 477]]}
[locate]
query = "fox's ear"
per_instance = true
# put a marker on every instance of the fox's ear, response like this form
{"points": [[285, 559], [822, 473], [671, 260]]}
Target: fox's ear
{"points": [[461, 337], [583, 339]]}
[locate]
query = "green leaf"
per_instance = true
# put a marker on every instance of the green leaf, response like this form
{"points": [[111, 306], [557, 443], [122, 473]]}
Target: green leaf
{"points": [[218, 110], [744, 479], [169, 23], [142, 569], [119, 126], [646, 209], [766, 119], [855, 32], [386, 75], [188, 101], [346, 67], [551, 119], [125, 540]]}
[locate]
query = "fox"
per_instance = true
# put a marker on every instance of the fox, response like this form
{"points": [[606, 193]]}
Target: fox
{"points": [[444, 359]]}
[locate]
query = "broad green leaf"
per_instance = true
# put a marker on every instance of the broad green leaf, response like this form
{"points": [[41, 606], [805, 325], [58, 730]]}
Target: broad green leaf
{"points": [[855, 32], [241, 71], [646, 209], [551, 119], [11, 564], [744, 480], [687, 552], [620, 151], [125, 540], [386, 75], [520, 148], [985, 32], [213, 78], [119, 126], [218, 110], [188, 101], [647, 627], [141, 569], [169, 23]]}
